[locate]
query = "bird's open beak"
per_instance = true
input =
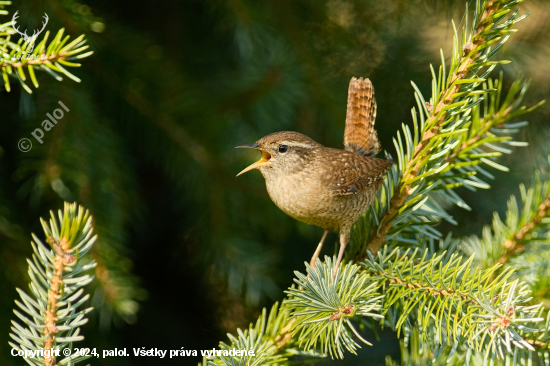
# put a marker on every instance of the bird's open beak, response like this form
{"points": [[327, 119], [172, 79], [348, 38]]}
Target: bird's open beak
{"points": [[263, 160]]}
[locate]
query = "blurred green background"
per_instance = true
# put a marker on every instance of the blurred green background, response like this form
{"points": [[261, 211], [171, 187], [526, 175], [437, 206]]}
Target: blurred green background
{"points": [[188, 252]]}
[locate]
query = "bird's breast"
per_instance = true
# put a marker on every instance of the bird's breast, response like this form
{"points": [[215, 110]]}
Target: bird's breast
{"points": [[303, 197], [311, 195]]}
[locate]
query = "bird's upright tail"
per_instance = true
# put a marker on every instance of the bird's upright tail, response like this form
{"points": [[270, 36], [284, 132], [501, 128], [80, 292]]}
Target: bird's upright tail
{"points": [[359, 134]]}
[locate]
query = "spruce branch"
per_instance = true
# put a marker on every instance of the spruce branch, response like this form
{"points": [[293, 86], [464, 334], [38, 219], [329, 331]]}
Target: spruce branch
{"points": [[489, 135], [459, 302], [524, 229], [417, 352], [324, 308], [63, 258], [457, 305], [266, 342], [52, 315], [54, 57], [515, 243], [320, 315], [493, 127], [485, 133], [453, 96]]}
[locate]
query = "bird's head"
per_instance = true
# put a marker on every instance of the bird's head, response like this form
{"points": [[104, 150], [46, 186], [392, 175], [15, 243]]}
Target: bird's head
{"points": [[283, 152]]}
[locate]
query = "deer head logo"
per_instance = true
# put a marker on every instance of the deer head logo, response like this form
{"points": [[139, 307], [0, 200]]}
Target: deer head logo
{"points": [[35, 33]]}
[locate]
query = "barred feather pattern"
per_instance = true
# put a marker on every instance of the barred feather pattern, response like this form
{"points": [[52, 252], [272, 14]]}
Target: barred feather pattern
{"points": [[360, 135]]}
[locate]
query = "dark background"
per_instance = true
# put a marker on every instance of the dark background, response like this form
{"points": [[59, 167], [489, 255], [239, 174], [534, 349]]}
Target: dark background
{"points": [[188, 252]]}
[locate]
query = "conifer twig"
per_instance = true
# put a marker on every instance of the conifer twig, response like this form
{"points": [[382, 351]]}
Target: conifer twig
{"points": [[42, 60], [487, 124], [514, 244], [52, 313], [55, 57], [402, 191], [62, 258]]}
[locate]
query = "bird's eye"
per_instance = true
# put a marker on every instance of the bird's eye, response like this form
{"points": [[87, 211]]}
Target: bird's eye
{"points": [[283, 148]]}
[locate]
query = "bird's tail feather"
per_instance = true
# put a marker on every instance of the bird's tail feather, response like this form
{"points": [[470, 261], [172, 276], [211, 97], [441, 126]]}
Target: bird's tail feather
{"points": [[360, 135]]}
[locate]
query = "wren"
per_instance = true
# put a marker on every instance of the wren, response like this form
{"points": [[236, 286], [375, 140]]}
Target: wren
{"points": [[322, 186]]}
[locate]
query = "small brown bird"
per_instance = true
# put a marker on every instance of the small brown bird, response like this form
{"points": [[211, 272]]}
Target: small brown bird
{"points": [[322, 186]]}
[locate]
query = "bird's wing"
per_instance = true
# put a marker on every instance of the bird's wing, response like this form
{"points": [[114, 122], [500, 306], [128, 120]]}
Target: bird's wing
{"points": [[365, 173], [359, 135]]}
